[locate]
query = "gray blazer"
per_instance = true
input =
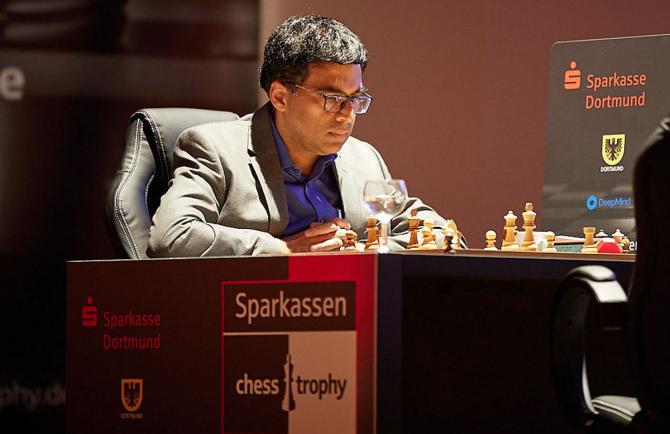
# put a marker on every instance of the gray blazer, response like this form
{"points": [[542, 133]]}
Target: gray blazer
{"points": [[227, 196]]}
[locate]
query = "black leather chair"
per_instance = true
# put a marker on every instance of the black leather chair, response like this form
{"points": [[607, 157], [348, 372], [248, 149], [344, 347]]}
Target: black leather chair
{"points": [[645, 315], [146, 169]]}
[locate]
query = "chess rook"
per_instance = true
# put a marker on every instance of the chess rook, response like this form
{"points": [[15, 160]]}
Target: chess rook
{"points": [[589, 240]]}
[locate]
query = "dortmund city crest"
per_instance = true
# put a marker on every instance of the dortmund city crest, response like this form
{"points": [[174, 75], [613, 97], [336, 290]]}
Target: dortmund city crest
{"points": [[613, 148], [131, 393]]}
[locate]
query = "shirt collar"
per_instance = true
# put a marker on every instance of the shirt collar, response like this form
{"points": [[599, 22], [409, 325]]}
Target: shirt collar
{"points": [[285, 159]]}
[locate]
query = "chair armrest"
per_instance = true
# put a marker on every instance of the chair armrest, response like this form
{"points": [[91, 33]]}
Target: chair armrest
{"points": [[576, 292]]}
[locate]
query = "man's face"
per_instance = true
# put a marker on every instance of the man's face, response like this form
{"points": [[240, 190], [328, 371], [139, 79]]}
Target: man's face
{"points": [[308, 128]]}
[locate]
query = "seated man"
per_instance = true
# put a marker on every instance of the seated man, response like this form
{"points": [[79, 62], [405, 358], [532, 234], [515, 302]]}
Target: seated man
{"points": [[287, 177]]}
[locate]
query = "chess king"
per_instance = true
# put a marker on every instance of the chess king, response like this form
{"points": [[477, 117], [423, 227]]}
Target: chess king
{"points": [[288, 401], [528, 243], [288, 177]]}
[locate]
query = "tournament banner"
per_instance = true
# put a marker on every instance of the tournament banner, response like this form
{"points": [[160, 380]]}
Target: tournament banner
{"points": [[606, 96], [230, 345], [315, 332]]}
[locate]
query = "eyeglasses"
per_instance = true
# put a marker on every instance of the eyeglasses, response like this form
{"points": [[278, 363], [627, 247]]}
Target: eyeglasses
{"points": [[335, 103]]}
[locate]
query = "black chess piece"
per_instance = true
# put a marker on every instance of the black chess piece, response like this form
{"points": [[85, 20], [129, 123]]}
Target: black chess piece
{"points": [[288, 402], [448, 239]]}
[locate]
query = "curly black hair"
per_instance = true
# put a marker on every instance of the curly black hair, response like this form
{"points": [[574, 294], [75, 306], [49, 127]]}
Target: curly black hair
{"points": [[299, 41]]}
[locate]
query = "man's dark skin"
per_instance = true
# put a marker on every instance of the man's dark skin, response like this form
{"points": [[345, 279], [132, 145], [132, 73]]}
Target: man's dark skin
{"points": [[309, 132]]}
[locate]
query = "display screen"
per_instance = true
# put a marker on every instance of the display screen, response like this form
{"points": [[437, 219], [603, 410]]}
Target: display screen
{"points": [[606, 96]]}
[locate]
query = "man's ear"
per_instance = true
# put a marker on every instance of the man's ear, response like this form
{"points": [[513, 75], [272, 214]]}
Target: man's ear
{"points": [[279, 94]]}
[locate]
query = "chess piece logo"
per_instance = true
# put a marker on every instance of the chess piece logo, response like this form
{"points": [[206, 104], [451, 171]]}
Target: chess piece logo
{"points": [[288, 402], [572, 78], [89, 314], [613, 147], [131, 393]]}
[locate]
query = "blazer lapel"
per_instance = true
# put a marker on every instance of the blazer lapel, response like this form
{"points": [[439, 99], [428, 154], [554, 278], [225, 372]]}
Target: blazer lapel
{"points": [[267, 172], [351, 194]]}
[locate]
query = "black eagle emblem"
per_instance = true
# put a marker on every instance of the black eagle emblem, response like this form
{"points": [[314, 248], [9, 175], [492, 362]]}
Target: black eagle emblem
{"points": [[132, 394], [613, 147]]}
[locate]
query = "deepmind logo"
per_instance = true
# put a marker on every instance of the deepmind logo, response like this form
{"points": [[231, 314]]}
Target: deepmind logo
{"points": [[593, 202], [572, 80], [321, 387]]}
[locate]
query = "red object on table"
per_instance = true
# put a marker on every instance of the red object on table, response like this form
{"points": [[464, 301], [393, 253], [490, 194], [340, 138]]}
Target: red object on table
{"points": [[608, 245]]}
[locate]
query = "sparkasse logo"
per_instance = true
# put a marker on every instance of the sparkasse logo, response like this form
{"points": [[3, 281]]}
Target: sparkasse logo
{"points": [[89, 314], [607, 90], [572, 79]]}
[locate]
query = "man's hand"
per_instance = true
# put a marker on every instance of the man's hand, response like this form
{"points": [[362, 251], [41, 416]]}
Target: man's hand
{"points": [[320, 237]]}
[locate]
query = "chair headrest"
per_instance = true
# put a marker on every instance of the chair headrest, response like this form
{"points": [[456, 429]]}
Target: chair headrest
{"points": [[162, 127]]}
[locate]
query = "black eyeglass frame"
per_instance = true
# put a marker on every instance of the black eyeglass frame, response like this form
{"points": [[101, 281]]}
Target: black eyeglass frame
{"points": [[364, 99]]}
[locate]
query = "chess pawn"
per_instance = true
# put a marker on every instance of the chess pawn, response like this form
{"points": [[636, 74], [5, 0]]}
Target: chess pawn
{"points": [[456, 241], [618, 238], [456, 235], [448, 239], [427, 238], [509, 232], [589, 241], [528, 243], [551, 239], [372, 242], [490, 240], [414, 222], [626, 244]]}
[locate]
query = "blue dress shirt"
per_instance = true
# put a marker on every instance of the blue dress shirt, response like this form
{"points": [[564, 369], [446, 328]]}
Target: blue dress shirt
{"points": [[310, 199]]}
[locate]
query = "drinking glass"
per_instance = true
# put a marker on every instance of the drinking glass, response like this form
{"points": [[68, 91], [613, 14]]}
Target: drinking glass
{"points": [[384, 199]]}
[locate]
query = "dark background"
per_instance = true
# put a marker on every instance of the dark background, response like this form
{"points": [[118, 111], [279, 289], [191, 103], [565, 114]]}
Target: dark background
{"points": [[460, 113], [86, 67]]}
